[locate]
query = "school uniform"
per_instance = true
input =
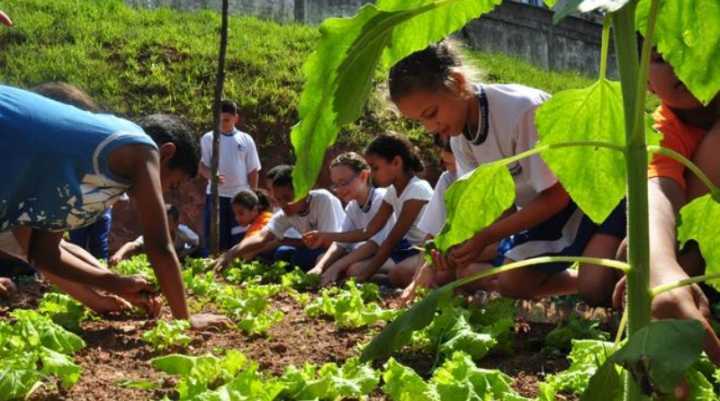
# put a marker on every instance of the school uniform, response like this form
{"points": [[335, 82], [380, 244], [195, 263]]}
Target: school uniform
{"points": [[506, 127], [416, 189], [433, 219], [358, 217], [324, 213]]}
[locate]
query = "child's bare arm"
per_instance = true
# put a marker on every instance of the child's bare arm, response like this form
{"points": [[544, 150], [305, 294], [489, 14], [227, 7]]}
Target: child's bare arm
{"points": [[376, 224], [410, 210], [706, 159], [127, 250], [145, 176]]}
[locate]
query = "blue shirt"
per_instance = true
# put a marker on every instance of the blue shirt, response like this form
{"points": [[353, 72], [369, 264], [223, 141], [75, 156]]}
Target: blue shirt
{"points": [[54, 162]]}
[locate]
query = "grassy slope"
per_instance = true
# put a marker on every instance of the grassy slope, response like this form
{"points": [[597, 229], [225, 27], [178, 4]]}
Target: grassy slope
{"points": [[137, 61]]}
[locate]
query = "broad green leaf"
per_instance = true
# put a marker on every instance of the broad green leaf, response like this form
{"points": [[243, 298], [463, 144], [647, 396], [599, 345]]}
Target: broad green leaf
{"points": [[459, 379], [399, 331], [175, 364], [586, 357], [487, 191], [467, 340], [563, 8], [403, 384], [701, 389], [38, 328], [167, 334], [339, 73], [661, 352], [18, 378], [687, 35], [694, 218], [590, 114], [63, 310], [605, 384], [60, 365]]}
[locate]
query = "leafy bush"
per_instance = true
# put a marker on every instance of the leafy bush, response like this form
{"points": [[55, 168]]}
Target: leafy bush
{"points": [[34, 349], [63, 310], [168, 334], [351, 306]]}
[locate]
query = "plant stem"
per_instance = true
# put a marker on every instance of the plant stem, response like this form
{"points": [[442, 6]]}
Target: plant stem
{"points": [[621, 327], [633, 86], [605, 46], [688, 281], [687, 163]]}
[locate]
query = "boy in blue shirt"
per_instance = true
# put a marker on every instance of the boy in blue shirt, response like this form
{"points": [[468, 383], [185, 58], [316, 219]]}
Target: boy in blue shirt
{"points": [[66, 166]]}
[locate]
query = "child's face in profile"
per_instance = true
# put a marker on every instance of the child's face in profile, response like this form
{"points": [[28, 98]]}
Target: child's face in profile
{"points": [[284, 197], [172, 178], [244, 216], [663, 82], [442, 112], [383, 171]]}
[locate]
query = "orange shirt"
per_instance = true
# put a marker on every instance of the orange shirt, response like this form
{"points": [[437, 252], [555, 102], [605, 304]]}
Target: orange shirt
{"points": [[677, 136], [260, 221]]}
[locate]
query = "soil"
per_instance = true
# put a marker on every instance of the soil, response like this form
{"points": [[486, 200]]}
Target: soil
{"points": [[116, 352]]}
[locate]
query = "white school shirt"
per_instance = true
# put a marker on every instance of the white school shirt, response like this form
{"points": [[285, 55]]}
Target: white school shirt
{"points": [[416, 189], [511, 130], [325, 213], [357, 218], [238, 157], [435, 214], [186, 241]]}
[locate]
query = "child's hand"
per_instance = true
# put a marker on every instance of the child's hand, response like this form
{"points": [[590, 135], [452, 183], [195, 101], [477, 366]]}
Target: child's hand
{"points": [[138, 292], [469, 251], [5, 20], [313, 239], [441, 262], [114, 260], [7, 287], [687, 302], [221, 263], [329, 277]]}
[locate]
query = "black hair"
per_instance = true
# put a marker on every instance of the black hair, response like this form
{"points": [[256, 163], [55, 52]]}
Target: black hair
{"points": [[167, 128], [64, 92], [252, 199], [351, 160], [281, 176], [389, 146], [427, 69], [173, 212], [228, 106]]}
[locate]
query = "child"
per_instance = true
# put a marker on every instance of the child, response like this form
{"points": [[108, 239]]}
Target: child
{"points": [[487, 123], [318, 210], [66, 166], [251, 209], [394, 164], [93, 238], [692, 130], [238, 169], [184, 239], [350, 175]]}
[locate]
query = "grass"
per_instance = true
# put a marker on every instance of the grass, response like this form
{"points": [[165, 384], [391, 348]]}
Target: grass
{"points": [[138, 61]]}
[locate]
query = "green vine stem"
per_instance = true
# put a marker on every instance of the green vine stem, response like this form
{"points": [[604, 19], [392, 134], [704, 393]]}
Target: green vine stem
{"points": [[682, 283], [687, 163], [621, 327], [613, 264], [634, 81], [605, 47]]}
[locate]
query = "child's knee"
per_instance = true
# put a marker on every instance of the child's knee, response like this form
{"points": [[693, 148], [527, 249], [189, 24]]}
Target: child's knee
{"points": [[596, 285], [401, 276], [355, 269]]}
